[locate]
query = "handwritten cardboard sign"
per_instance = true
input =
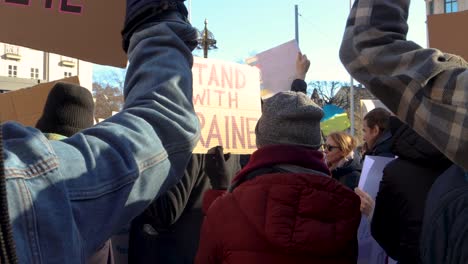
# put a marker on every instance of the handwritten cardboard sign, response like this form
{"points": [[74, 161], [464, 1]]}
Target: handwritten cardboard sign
{"points": [[443, 38], [227, 101], [87, 30]]}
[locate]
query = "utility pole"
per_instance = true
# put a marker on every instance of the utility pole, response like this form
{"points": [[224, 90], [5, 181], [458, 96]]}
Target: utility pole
{"points": [[296, 15], [190, 11], [351, 92]]}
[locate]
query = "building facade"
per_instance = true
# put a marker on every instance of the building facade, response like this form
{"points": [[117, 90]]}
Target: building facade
{"points": [[23, 67], [445, 6]]}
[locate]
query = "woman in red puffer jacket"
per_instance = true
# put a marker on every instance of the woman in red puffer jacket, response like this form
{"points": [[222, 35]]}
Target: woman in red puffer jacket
{"points": [[283, 207]]}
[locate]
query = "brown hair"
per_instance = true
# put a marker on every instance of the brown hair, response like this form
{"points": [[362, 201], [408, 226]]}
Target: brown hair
{"points": [[346, 142], [378, 117]]}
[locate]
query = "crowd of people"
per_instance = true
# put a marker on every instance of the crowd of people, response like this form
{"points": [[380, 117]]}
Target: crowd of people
{"points": [[67, 187]]}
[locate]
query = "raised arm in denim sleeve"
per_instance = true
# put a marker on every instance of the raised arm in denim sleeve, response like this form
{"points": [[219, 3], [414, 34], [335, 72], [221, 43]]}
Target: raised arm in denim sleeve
{"points": [[426, 88], [114, 170]]}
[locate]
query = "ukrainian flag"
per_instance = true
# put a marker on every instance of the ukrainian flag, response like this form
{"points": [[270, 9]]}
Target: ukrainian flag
{"points": [[335, 120]]}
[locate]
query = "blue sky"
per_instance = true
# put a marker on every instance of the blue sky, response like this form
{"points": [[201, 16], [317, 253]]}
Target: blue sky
{"points": [[245, 27]]}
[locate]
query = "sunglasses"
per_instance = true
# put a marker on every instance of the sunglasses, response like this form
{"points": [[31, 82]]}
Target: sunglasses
{"points": [[329, 147]]}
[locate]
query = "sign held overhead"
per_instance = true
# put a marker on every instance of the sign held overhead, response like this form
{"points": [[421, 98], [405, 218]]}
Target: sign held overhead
{"points": [[87, 30]]}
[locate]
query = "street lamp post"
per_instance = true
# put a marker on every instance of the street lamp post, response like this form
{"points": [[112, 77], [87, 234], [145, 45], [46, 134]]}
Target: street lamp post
{"points": [[206, 41]]}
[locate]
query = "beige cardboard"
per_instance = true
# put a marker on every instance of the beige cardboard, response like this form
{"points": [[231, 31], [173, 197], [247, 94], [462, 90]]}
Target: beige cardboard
{"points": [[92, 35], [26, 105], [447, 33], [226, 97]]}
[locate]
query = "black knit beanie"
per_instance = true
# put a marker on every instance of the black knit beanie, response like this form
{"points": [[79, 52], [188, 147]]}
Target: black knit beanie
{"points": [[68, 110], [7, 244]]}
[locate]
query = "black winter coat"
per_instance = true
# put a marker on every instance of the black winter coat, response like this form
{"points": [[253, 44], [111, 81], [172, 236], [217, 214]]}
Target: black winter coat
{"points": [[397, 219], [382, 147], [348, 174], [444, 237], [169, 230]]}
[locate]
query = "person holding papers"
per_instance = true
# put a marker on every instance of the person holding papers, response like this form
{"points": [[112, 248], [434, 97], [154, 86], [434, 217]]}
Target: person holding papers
{"points": [[399, 206]]}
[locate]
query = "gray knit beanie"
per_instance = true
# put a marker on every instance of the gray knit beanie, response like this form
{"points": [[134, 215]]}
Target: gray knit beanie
{"points": [[290, 118]]}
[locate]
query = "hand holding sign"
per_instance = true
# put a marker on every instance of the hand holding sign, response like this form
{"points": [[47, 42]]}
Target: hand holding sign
{"points": [[217, 169], [302, 66], [367, 203], [86, 30]]}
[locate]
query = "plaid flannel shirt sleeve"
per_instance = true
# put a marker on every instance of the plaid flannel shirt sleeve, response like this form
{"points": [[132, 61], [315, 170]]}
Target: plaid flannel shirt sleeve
{"points": [[425, 88]]}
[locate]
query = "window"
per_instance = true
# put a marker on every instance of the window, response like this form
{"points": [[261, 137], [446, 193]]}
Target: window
{"points": [[34, 73], [431, 7], [12, 70], [451, 6], [12, 52], [67, 74], [11, 49]]}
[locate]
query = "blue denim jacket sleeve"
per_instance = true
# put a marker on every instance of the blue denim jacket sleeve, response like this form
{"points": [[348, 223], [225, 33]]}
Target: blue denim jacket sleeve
{"points": [[67, 197]]}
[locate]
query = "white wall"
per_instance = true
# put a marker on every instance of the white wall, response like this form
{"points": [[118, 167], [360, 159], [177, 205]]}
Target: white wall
{"points": [[35, 59], [86, 74]]}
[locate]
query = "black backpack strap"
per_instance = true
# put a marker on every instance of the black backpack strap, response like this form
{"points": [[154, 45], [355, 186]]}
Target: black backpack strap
{"points": [[280, 168], [251, 175], [288, 168]]}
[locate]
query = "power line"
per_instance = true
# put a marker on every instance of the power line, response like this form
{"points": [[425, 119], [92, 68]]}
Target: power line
{"points": [[316, 28]]}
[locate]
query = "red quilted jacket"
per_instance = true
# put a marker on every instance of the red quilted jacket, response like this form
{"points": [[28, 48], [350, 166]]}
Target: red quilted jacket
{"points": [[282, 217]]}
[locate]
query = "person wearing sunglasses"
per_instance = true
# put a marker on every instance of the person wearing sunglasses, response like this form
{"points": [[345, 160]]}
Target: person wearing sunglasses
{"points": [[339, 151]]}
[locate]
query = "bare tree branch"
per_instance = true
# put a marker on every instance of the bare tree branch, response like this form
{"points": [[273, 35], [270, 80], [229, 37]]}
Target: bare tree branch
{"points": [[110, 76], [326, 92], [108, 99]]}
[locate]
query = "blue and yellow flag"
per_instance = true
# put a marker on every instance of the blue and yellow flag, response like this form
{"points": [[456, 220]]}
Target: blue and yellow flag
{"points": [[336, 123]]}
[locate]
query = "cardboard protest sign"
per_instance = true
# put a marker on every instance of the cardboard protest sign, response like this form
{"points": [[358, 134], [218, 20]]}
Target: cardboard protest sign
{"points": [[372, 171], [87, 30], [26, 105], [444, 39], [227, 101], [277, 66]]}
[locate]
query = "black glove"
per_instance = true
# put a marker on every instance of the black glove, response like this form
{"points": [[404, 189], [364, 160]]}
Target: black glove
{"points": [[221, 167]]}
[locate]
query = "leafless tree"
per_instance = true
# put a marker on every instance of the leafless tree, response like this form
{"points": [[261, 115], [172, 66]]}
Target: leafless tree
{"points": [[110, 76], [108, 99], [325, 92], [108, 90]]}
